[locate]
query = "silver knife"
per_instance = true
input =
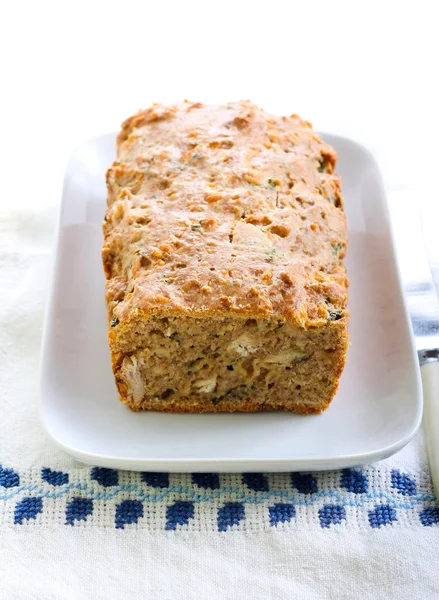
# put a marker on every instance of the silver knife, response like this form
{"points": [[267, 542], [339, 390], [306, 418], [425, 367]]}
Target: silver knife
{"points": [[423, 306]]}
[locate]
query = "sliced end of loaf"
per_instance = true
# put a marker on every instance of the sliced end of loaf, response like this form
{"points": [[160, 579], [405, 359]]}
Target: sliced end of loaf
{"points": [[190, 364]]}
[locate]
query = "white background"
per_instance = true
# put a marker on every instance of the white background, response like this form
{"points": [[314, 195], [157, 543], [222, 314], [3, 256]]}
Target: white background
{"points": [[70, 70]]}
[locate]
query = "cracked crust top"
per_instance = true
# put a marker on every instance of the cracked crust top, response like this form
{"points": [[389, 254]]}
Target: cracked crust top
{"points": [[223, 211]]}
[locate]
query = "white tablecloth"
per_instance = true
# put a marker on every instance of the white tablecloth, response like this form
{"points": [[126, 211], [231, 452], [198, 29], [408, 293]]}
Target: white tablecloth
{"points": [[70, 531]]}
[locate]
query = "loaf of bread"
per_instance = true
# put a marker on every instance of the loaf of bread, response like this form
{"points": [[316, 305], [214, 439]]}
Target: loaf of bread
{"points": [[224, 243]]}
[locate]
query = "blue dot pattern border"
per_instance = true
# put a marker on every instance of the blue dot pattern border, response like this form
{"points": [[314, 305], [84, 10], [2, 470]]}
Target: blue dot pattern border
{"points": [[371, 498]]}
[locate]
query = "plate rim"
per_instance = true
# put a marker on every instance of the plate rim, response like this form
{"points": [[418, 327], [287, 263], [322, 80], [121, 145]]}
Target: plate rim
{"points": [[231, 465]]}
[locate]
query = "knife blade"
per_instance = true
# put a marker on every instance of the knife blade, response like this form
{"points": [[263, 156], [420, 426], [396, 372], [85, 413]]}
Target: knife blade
{"points": [[423, 306]]}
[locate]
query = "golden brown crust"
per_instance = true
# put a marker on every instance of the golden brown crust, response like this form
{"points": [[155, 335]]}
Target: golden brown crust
{"points": [[222, 212], [247, 406]]}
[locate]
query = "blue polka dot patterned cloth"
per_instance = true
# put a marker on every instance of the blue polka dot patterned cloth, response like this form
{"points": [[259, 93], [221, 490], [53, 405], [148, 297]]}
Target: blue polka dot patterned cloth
{"points": [[99, 497]]}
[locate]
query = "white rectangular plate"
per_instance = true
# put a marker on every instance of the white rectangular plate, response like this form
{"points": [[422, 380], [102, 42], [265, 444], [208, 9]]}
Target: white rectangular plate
{"points": [[376, 411]]}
